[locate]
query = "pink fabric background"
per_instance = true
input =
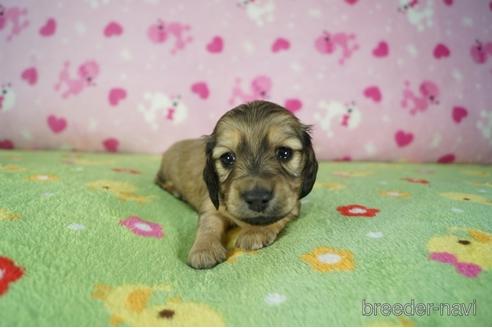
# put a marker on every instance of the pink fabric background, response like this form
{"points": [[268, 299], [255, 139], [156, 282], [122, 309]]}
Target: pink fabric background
{"points": [[345, 66]]}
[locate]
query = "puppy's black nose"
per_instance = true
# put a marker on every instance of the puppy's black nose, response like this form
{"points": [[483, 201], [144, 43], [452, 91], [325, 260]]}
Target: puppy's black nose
{"points": [[257, 199]]}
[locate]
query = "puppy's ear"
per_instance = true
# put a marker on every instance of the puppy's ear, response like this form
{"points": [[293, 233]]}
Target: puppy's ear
{"points": [[310, 164], [210, 174]]}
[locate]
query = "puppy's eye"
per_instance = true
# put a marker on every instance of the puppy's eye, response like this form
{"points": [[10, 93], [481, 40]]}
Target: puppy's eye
{"points": [[228, 159], [284, 154]]}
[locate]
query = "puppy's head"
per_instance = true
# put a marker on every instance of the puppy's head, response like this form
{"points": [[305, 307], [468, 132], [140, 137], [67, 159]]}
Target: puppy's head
{"points": [[260, 162]]}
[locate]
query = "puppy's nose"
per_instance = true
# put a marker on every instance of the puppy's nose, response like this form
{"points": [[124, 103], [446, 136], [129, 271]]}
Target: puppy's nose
{"points": [[257, 199]]}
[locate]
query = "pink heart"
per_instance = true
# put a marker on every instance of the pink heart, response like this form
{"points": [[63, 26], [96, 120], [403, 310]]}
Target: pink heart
{"points": [[459, 113], [216, 45], [403, 138], [201, 89], [6, 144], [448, 2], [448, 158], [113, 29], [351, 2], [441, 51], [49, 28], [381, 50], [373, 93], [293, 105], [30, 75], [280, 44], [111, 145], [116, 95], [56, 124]]}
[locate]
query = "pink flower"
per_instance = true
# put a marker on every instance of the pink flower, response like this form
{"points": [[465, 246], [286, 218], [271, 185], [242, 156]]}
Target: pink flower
{"points": [[142, 228]]}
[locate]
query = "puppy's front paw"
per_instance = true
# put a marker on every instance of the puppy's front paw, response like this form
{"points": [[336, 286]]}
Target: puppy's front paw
{"points": [[206, 256], [255, 238]]}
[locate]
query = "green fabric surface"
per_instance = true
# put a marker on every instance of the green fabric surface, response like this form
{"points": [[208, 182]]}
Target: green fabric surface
{"points": [[62, 222]]}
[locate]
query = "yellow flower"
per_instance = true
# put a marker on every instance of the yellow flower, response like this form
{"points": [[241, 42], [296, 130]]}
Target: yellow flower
{"points": [[43, 178], [350, 174], [7, 215], [395, 194], [333, 186], [11, 168], [325, 259], [232, 251], [122, 190]]}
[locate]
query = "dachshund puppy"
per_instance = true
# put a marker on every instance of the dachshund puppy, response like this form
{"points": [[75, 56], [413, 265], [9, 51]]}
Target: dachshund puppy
{"points": [[250, 172]]}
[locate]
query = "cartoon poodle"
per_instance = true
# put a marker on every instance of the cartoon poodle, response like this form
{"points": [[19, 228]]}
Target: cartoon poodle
{"points": [[259, 11], [419, 12], [159, 106], [86, 74], [7, 97], [15, 17], [260, 88], [141, 305], [468, 250], [161, 31], [337, 114], [328, 43], [481, 51], [419, 102]]}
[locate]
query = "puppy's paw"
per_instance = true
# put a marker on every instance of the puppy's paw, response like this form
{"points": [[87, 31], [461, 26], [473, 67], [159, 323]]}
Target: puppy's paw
{"points": [[207, 256], [251, 239]]}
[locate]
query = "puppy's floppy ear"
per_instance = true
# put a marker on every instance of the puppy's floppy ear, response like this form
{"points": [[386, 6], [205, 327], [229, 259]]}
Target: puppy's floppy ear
{"points": [[310, 164], [210, 174]]}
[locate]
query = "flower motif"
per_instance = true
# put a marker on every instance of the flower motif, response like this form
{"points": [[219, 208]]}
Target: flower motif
{"points": [[275, 298], [420, 181], [42, 178], [325, 259], [395, 194], [9, 273], [125, 170], [233, 252], [11, 168], [122, 190], [7, 215], [357, 210], [142, 228], [351, 174], [333, 186]]}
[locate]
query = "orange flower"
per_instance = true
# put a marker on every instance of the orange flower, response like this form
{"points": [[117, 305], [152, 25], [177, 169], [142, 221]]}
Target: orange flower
{"points": [[325, 259]]}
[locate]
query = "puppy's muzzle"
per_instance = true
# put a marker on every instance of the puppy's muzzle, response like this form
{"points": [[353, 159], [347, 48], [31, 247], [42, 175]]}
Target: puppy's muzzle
{"points": [[257, 199]]}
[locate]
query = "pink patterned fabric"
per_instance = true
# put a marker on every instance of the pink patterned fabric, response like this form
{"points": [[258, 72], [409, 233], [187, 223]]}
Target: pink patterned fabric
{"points": [[380, 80]]}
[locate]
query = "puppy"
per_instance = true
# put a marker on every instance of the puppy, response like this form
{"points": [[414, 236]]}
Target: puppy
{"points": [[250, 172]]}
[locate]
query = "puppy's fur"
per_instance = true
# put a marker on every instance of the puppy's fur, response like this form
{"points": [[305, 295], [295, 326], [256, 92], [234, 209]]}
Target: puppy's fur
{"points": [[273, 167]]}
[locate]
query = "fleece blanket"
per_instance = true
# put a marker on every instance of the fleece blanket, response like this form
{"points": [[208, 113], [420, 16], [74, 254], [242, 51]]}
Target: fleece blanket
{"points": [[88, 239]]}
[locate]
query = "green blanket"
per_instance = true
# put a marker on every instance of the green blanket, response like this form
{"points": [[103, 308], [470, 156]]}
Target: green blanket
{"points": [[88, 239]]}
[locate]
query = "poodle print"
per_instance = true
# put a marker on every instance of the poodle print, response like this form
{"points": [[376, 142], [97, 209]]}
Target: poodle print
{"points": [[158, 107], [481, 51], [484, 125], [259, 11], [422, 100], [142, 305], [86, 74], [260, 88], [7, 98], [328, 43], [161, 31], [14, 16], [418, 12], [337, 114], [468, 250]]}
